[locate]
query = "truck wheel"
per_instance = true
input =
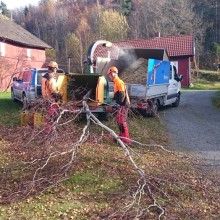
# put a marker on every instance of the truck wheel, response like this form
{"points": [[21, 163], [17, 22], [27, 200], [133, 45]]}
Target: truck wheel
{"points": [[155, 108], [177, 102]]}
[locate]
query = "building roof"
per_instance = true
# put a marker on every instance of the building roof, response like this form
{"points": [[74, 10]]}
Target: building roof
{"points": [[174, 45], [14, 33]]}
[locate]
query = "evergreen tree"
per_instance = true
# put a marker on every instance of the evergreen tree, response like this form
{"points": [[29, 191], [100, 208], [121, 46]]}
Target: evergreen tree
{"points": [[5, 11], [126, 7], [26, 11]]}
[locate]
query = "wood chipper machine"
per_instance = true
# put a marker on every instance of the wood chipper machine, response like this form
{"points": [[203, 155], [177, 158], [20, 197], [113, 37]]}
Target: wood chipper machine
{"points": [[77, 86]]}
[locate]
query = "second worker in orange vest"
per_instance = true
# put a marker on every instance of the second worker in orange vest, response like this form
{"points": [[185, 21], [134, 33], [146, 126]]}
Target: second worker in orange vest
{"points": [[49, 83]]}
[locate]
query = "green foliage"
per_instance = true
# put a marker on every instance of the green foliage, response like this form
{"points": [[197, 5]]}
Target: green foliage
{"points": [[126, 7], [212, 76], [26, 11], [5, 11], [92, 181], [216, 49], [73, 44], [114, 26], [202, 84]]}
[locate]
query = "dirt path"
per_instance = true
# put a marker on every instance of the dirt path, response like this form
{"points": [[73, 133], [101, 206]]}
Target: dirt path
{"points": [[194, 127]]}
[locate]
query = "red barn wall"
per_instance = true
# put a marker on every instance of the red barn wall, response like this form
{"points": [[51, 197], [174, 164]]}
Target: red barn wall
{"points": [[184, 69], [17, 58]]}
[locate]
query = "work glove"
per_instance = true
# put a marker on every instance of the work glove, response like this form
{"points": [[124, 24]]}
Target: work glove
{"points": [[56, 96], [117, 106]]}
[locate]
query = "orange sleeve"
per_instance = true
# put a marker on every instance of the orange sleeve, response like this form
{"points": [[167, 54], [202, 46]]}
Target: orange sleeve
{"points": [[119, 85]]}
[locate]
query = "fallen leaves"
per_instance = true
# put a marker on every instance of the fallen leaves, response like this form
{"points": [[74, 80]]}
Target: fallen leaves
{"points": [[101, 181]]}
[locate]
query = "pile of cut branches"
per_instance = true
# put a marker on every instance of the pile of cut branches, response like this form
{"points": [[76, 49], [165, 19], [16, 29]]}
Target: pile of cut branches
{"points": [[136, 73]]}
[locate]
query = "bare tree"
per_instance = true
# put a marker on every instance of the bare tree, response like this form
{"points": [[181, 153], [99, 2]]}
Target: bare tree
{"points": [[167, 17]]}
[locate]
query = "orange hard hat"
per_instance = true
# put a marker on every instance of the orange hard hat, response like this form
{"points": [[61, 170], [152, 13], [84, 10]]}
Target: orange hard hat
{"points": [[53, 64], [112, 69]]}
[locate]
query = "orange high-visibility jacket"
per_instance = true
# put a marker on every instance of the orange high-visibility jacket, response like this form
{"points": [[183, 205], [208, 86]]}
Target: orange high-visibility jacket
{"points": [[49, 86], [120, 92]]}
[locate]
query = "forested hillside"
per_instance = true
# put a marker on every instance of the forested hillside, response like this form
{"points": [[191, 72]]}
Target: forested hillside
{"points": [[70, 26]]}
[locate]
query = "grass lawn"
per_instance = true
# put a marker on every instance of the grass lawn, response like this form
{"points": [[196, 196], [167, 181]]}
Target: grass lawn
{"points": [[101, 180], [9, 110], [203, 84]]}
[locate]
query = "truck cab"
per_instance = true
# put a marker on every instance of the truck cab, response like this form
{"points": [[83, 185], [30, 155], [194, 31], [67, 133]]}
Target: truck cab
{"points": [[173, 95]]}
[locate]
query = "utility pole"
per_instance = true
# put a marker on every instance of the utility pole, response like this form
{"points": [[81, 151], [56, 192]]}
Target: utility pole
{"points": [[69, 57]]}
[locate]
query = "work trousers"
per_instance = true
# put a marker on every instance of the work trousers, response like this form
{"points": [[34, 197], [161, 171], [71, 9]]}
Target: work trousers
{"points": [[121, 118]]}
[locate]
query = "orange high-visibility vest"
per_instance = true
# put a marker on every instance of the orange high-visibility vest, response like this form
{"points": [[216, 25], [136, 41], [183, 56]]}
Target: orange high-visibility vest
{"points": [[49, 86], [120, 92]]}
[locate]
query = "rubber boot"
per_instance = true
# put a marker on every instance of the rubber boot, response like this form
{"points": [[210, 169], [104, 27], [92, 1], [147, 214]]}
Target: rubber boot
{"points": [[124, 133]]}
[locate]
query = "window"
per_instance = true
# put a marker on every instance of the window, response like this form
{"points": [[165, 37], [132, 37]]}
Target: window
{"points": [[27, 76], [2, 49], [175, 73], [29, 54], [170, 72]]}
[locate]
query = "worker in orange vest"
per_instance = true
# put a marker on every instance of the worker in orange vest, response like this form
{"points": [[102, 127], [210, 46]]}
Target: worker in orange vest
{"points": [[122, 103], [50, 91], [49, 83]]}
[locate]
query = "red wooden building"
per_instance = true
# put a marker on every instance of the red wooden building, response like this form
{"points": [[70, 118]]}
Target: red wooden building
{"points": [[18, 49], [180, 49]]}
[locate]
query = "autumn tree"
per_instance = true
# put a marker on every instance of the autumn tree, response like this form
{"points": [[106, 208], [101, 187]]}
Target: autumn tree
{"points": [[114, 26], [117, 20], [209, 10], [74, 51], [169, 18]]}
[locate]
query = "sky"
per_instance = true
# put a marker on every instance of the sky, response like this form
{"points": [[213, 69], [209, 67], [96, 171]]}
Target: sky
{"points": [[12, 4]]}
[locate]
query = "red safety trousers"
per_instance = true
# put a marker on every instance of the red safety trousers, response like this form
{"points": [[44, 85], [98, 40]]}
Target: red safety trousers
{"points": [[121, 118], [52, 112]]}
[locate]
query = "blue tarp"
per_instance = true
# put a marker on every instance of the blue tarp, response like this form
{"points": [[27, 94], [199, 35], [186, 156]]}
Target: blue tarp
{"points": [[158, 72]]}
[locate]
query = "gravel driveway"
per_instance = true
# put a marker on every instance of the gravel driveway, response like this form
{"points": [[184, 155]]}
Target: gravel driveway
{"points": [[194, 126]]}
